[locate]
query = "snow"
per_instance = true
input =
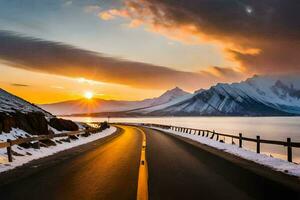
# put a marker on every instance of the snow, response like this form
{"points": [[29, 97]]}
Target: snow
{"points": [[165, 105], [27, 155], [10, 103], [260, 87], [234, 98], [274, 163]]}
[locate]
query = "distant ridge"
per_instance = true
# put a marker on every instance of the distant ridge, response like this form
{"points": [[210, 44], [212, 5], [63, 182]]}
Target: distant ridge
{"points": [[256, 96], [82, 106]]}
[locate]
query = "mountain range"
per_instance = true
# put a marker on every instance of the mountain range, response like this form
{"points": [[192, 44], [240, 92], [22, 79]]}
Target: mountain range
{"points": [[256, 96], [83, 106]]}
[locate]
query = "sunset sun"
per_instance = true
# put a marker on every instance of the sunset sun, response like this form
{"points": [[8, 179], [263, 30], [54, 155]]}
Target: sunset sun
{"points": [[88, 95]]}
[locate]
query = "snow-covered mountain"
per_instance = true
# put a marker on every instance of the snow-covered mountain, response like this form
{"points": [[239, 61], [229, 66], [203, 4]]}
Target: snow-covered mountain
{"points": [[99, 105], [20, 116], [10, 103], [257, 96]]}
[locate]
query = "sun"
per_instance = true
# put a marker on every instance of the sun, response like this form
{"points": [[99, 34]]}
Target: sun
{"points": [[88, 95]]}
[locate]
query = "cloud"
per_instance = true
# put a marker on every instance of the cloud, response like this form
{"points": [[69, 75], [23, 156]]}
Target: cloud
{"points": [[263, 36], [225, 73], [19, 85], [92, 9], [57, 87], [61, 59], [106, 16], [112, 13], [67, 3]]}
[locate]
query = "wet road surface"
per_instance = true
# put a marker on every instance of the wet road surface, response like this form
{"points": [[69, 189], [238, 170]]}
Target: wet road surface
{"points": [[179, 170], [176, 170], [109, 171]]}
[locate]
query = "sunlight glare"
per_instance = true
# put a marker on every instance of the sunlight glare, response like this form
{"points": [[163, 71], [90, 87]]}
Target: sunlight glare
{"points": [[88, 95]]}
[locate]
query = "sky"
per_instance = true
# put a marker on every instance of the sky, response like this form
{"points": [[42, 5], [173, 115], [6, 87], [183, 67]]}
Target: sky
{"points": [[57, 50]]}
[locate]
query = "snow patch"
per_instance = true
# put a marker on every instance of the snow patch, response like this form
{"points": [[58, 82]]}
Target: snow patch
{"points": [[274, 163], [10, 103], [27, 155]]}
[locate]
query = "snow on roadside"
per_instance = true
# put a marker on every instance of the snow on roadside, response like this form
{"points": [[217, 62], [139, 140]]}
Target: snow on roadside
{"points": [[33, 154], [274, 163]]}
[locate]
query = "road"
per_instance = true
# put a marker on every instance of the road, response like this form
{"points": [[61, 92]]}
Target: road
{"points": [[109, 170], [179, 170]]}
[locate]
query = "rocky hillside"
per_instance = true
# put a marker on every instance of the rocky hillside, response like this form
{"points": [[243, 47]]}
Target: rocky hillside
{"points": [[20, 114]]}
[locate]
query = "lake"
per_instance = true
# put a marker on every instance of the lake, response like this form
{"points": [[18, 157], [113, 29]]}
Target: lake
{"points": [[270, 128]]}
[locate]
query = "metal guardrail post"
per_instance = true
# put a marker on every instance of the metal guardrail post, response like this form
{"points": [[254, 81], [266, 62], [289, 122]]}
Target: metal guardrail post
{"points": [[9, 151], [38, 145], [213, 134], [289, 150], [258, 144], [240, 140]]}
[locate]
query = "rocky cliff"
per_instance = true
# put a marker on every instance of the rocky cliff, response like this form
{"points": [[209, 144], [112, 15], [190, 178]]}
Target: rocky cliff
{"points": [[18, 113]]}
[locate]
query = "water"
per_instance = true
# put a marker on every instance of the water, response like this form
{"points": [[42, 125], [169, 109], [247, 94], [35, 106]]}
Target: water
{"points": [[270, 128]]}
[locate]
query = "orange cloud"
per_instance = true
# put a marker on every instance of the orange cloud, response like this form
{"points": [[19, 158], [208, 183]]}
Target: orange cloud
{"points": [[57, 58], [258, 35]]}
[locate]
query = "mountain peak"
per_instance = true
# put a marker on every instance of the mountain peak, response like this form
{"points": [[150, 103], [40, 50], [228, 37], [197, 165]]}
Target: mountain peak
{"points": [[173, 93], [177, 91], [169, 95], [10, 103]]}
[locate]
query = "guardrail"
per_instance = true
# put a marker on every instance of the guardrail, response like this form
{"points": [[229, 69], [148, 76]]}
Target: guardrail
{"points": [[9, 143], [212, 134]]}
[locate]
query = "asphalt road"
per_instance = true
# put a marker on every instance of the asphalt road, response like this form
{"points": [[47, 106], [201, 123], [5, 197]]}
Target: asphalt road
{"points": [[179, 170], [108, 169]]}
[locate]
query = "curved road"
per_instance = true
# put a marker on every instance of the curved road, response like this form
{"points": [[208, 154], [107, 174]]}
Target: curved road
{"points": [[179, 170], [108, 169]]}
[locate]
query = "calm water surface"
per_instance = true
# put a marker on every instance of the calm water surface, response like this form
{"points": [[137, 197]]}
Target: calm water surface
{"points": [[271, 128]]}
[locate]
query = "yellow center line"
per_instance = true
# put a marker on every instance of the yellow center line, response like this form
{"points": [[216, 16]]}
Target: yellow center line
{"points": [[142, 191]]}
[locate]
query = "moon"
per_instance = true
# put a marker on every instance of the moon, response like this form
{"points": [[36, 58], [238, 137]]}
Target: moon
{"points": [[249, 10]]}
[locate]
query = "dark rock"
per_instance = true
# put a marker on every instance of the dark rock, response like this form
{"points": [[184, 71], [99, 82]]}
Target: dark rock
{"points": [[51, 132], [36, 145], [63, 125], [33, 123], [104, 125], [6, 122], [66, 140], [16, 153], [48, 143], [57, 141], [86, 134], [73, 137], [26, 145]]}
